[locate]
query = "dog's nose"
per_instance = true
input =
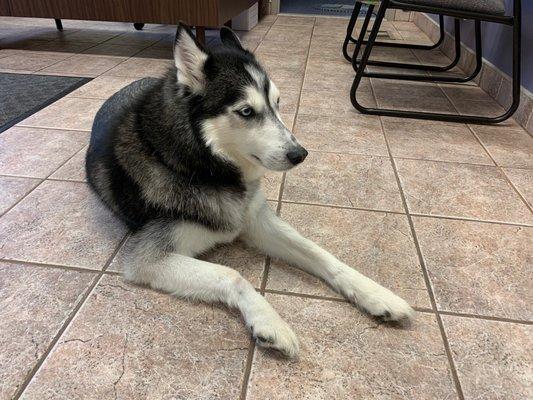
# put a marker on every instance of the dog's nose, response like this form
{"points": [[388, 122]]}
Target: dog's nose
{"points": [[297, 156]]}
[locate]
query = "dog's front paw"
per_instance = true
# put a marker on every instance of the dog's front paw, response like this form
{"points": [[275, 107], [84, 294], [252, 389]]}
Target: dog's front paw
{"points": [[375, 299], [272, 332]]}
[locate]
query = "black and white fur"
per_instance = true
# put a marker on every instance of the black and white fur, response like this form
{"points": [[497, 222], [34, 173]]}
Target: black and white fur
{"points": [[180, 159]]}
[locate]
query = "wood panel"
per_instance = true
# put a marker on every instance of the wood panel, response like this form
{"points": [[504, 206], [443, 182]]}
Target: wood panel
{"points": [[4, 8], [194, 12]]}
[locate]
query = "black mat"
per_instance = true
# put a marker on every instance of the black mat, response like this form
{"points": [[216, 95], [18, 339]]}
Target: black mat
{"points": [[22, 95], [341, 8]]}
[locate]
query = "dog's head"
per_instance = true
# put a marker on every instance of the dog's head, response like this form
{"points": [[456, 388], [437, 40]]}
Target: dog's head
{"points": [[240, 105]]}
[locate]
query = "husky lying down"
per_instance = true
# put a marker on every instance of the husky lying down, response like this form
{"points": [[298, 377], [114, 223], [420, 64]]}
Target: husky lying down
{"points": [[179, 160]]}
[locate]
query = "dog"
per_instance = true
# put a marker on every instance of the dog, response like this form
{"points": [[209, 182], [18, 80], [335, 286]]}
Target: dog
{"points": [[180, 159]]}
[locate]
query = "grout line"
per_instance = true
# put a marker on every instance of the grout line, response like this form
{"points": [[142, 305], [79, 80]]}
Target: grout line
{"points": [[67, 323], [342, 207], [501, 170], [425, 273], [486, 317], [39, 184], [414, 214], [56, 266], [55, 127]]}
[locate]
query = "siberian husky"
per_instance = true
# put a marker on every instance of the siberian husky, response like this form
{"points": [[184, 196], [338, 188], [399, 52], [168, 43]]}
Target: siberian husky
{"points": [[179, 160]]}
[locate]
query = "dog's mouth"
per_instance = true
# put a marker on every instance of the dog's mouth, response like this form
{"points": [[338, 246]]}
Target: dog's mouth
{"points": [[257, 159]]}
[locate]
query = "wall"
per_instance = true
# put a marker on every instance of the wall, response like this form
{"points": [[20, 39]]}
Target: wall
{"points": [[497, 41]]}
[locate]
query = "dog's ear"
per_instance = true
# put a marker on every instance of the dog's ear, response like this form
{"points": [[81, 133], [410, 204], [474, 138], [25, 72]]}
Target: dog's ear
{"points": [[230, 39], [190, 58]]}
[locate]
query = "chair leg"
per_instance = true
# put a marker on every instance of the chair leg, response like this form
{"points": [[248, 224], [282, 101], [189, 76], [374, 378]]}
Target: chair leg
{"points": [[59, 24], [435, 68], [349, 30], [476, 119], [359, 42]]}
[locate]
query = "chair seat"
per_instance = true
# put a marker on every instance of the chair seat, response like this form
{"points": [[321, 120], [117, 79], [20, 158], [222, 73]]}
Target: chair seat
{"points": [[492, 7]]}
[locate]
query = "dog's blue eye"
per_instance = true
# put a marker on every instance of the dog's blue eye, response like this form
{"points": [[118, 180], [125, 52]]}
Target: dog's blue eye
{"points": [[246, 112]]}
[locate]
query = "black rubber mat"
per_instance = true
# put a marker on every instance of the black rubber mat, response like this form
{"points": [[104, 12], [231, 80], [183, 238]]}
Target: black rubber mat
{"points": [[22, 95]]}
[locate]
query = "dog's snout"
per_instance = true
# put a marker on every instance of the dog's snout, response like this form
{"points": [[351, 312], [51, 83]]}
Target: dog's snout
{"points": [[297, 156]]}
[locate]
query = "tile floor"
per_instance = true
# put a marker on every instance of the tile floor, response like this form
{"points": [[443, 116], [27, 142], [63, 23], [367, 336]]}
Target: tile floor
{"points": [[441, 213]]}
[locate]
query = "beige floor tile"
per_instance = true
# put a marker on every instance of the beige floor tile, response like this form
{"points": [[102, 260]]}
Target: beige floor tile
{"points": [[269, 61], [60, 223], [156, 52], [134, 343], [461, 190], [290, 36], [286, 79], [13, 189], [323, 48], [465, 93], [84, 65], [435, 57], [331, 21], [73, 169], [140, 68], [30, 61], [69, 48], [35, 152], [334, 31], [411, 96], [35, 302], [510, 147], [377, 244], [66, 113], [115, 50], [292, 21], [344, 180], [345, 355], [478, 268], [271, 184], [136, 38], [432, 140], [102, 87], [89, 35], [492, 358], [522, 179], [332, 101], [360, 135]]}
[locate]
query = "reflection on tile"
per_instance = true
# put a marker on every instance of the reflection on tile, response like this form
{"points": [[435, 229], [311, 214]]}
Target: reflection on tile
{"points": [[344, 180], [461, 190], [60, 223], [493, 359], [134, 343], [478, 268], [377, 244], [345, 355], [35, 302]]}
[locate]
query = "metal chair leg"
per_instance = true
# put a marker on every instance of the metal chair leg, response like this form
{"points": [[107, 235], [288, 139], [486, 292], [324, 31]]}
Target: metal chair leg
{"points": [[440, 116]]}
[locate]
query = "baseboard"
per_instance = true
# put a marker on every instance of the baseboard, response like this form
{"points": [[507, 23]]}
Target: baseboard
{"points": [[491, 79]]}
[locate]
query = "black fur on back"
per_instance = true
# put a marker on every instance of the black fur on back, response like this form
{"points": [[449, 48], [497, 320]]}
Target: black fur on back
{"points": [[147, 159]]}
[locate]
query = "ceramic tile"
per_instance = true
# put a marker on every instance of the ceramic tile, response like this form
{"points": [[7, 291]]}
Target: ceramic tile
{"points": [[35, 152], [522, 180], [377, 244], [35, 302], [67, 113], [491, 357], [60, 223], [461, 190], [73, 169], [344, 180], [510, 147], [432, 140], [13, 189], [134, 343], [102, 87], [345, 355], [30, 61], [84, 65], [478, 268], [140, 68]]}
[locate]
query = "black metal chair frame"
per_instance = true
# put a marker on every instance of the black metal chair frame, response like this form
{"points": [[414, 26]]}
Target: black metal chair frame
{"points": [[360, 65]]}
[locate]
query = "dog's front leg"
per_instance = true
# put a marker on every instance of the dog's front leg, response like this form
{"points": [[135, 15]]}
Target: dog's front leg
{"points": [[276, 238]]}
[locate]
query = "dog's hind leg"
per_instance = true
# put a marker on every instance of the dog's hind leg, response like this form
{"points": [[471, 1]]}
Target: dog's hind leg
{"points": [[161, 256], [265, 231]]}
